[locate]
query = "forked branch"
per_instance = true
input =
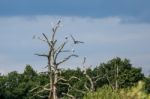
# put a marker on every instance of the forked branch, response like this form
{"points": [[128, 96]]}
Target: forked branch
{"points": [[48, 42]]}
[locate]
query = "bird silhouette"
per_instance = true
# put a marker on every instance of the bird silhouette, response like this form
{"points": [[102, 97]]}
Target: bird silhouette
{"points": [[66, 37], [75, 41], [84, 60]]}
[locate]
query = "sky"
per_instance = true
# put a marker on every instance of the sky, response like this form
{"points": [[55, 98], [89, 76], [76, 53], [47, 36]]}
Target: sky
{"points": [[109, 28]]}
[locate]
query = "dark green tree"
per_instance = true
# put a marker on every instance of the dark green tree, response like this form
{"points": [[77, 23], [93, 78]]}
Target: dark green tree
{"points": [[147, 84], [9, 86], [118, 73], [18, 86]]}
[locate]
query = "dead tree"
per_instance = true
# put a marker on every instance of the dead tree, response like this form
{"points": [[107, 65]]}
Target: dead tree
{"points": [[53, 63], [92, 80], [114, 85]]}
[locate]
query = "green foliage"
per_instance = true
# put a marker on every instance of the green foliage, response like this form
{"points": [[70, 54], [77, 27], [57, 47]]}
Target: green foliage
{"points": [[147, 84], [29, 73], [10, 86], [18, 86], [127, 74], [106, 92]]}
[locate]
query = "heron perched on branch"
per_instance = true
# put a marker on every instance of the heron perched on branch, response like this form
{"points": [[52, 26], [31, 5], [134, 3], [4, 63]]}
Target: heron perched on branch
{"points": [[75, 41]]}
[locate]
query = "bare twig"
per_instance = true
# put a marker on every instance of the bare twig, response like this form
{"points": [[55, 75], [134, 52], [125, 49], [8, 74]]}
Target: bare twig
{"points": [[107, 78], [59, 50], [35, 88], [54, 29], [91, 82], [110, 82], [83, 92], [85, 85], [48, 42], [44, 55], [62, 79], [73, 77], [88, 77], [69, 95]]}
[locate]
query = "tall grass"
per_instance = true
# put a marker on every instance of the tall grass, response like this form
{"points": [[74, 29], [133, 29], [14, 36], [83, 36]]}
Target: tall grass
{"points": [[106, 92], [136, 92]]}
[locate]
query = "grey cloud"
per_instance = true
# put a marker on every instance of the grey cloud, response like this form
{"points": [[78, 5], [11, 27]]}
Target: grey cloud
{"points": [[104, 39]]}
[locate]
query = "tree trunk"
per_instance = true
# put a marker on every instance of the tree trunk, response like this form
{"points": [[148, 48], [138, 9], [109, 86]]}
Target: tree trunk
{"points": [[55, 85], [54, 51], [116, 84]]}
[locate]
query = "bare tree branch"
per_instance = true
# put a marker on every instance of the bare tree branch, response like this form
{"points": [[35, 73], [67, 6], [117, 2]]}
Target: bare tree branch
{"points": [[37, 94], [48, 42], [59, 50], [85, 85], [83, 92], [69, 95], [73, 77], [106, 75], [72, 87], [54, 29], [91, 82], [39, 87], [46, 85], [34, 89], [47, 89], [61, 79], [88, 77], [44, 55], [110, 83], [98, 79], [67, 58], [65, 51], [41, 91]]}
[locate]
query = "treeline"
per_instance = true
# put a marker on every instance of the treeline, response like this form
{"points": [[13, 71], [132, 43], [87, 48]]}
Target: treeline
{"points": [[117, 73]]}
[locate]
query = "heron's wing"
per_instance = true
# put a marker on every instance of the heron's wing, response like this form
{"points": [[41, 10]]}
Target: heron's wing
{"points": [[80, 42]]}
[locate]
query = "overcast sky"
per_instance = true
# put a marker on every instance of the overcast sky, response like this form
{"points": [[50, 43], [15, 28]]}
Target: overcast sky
{"points": [[109, 28]]}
